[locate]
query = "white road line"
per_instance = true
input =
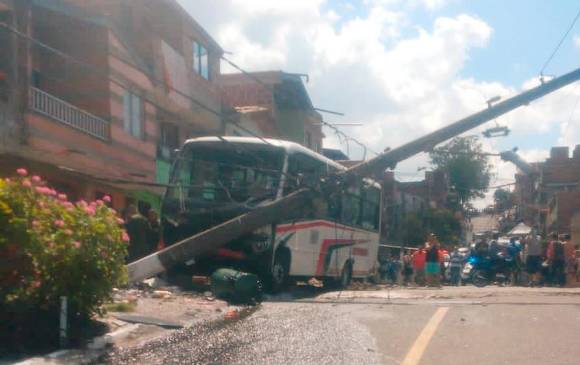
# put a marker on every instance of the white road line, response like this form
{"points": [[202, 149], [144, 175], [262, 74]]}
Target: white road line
{"points": [[416, 351]]}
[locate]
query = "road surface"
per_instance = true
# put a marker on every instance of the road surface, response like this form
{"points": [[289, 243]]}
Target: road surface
{"points": [[450, 326]]}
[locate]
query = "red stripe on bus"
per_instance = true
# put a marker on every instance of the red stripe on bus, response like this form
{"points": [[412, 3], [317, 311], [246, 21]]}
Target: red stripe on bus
{"points": [[300, 226], [326, 244], [224, 252], [359, 251]]}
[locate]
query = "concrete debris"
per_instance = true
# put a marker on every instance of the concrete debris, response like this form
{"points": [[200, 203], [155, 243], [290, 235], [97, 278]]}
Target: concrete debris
{"points": [[232, 314], [162, 294], [132, 318], [315, 283], [155, 283]]}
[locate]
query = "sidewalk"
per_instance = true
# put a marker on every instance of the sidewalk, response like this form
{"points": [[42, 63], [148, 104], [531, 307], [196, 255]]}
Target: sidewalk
{"points": [[448, 293], [156, 313]]}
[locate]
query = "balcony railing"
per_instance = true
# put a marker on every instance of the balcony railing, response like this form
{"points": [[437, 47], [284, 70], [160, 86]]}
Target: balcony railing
{"points": [[61, 111]]}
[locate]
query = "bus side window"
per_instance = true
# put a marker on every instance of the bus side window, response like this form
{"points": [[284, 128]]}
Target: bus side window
{"points": [[370, 210], [303, 170], [351, 207], [334, 207]]}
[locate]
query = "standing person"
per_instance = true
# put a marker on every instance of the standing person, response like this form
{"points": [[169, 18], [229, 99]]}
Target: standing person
{"points": [[533, 252], [570, 265], [481, 248], [154, 233], [137, 228], [407, 268], [455, 265], [394, 269], [513, 251], [419, 266], [432, 262], [557, 261], [384, 268]]}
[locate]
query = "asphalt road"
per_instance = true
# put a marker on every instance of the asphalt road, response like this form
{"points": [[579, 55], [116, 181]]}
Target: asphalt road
{"points": [[496, 329]]}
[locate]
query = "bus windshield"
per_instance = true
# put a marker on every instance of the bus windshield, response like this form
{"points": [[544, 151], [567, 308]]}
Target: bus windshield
{"points": [[227, 173]]}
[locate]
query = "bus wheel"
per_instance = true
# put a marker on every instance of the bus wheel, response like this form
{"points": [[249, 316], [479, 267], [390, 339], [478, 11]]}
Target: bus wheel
{"points": [[280, 271], [346, 276]]}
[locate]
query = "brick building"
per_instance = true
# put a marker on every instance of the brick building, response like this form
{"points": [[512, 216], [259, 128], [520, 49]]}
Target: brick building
{"points": [[400, 199], [278, 105], [111, 89], [548, 196]]}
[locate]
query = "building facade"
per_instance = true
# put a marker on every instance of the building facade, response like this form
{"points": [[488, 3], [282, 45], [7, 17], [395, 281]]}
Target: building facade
{"points": [[548, 197], [96, 94], [277, 104]]}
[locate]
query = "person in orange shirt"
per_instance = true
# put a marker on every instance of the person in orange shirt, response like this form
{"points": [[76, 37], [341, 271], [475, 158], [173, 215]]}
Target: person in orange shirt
{"points": [[418, 259]]}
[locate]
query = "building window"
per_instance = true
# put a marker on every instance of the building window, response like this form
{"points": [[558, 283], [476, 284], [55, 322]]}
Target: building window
{"points": [[200, 60], [169, 140], [133, 114]]}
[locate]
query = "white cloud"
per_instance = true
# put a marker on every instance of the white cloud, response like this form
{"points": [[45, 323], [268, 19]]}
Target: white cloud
{"points": [[577, 41], [400, 80]]}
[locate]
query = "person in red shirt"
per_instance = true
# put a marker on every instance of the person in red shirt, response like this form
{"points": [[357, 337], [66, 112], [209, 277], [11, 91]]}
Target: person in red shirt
{"points": [[419, 266]]}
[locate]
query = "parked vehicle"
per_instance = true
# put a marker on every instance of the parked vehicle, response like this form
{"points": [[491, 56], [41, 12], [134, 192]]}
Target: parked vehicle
{"points": [[487, 269], [467, 270], [216, 179]]}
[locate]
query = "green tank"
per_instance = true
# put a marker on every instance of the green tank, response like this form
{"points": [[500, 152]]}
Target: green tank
{"points": [[236, 286]]}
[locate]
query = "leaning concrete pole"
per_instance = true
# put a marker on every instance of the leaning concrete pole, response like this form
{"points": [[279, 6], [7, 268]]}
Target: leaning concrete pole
{"points": [[513, 157], [284, 208]]}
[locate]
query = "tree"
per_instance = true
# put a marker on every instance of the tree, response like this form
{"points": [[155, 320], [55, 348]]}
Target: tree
{"points": [[442, 222], [503, 199], [467, 166]]}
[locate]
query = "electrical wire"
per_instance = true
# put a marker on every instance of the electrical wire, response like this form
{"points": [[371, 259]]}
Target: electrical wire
{"points": [[106, 74], [559, 44], [269, 88]]}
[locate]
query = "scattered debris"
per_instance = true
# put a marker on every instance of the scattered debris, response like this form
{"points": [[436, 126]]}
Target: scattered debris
{"points": [[132, 318], [155, 283], [315, 283], [162, 294], [232, 314]]}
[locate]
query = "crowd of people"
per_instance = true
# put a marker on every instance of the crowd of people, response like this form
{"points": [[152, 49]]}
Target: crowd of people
{"points": [[531, 261], [144, 232]]}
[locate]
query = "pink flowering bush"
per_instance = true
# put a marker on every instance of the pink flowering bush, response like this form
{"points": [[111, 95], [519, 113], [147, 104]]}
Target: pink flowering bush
{"points": [[51, 247]]}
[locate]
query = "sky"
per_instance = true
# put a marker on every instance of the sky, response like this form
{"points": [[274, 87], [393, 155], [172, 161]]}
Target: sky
{"points": [[404, 68]]}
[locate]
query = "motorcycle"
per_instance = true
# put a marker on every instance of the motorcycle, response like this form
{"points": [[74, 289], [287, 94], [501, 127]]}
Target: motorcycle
{"points": [[486, 270]]}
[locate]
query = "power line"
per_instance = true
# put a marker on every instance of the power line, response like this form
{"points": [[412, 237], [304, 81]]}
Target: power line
{"points": [[106, 74], [559, 44]]}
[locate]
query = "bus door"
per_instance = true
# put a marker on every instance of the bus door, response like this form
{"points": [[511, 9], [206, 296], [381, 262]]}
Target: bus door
{"points": [[304, 170]]}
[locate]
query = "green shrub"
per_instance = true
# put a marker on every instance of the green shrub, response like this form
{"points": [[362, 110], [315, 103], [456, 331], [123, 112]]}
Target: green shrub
{"points": [[51, 247]]}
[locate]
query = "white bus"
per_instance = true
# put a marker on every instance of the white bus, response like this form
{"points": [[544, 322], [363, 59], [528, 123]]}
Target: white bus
{"points": [[215, 179]]}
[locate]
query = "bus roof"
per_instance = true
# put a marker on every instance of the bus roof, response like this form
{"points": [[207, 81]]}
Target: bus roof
{"points": [[289, 147]]}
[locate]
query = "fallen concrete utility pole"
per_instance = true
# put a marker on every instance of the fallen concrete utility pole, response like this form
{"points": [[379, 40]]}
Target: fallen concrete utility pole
{"points": [[215, 237], [279, 210]]}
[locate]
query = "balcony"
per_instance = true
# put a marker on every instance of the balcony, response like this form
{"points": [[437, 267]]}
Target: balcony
{"points": [[68, 114]]}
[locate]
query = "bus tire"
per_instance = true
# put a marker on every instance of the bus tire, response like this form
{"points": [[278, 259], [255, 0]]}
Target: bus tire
{"points": [[345, 276], [280, 271]]}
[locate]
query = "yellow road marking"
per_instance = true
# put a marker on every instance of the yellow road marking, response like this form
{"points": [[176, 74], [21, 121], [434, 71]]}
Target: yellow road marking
{"points": [[416, 351]]}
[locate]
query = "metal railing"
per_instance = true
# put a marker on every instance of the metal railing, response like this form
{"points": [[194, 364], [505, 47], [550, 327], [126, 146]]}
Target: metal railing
{"points": [[66, 113]]}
